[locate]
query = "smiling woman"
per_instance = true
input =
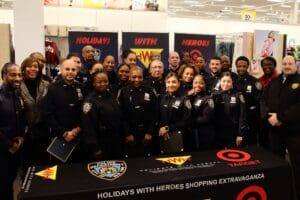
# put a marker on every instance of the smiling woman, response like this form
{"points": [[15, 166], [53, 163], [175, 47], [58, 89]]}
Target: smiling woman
{"points": [[33, 91]]}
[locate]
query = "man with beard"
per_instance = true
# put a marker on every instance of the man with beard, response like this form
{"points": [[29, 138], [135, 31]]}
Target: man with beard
{"points": [[88, 55], [12, 128]]}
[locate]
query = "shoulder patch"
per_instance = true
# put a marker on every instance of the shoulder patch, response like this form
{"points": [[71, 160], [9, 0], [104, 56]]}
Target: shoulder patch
{"points": [[86, 107], [242, 98], [258, 85], [188, 104], [211, 103]]}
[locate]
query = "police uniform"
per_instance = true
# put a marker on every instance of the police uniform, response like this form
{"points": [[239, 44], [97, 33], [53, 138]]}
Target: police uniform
{"points": [[230, 117], [82, 77], [12, 124], [250, 87], [174, 113], [102, 125], [140, 110], [213, 83], [185, 87], [201, 121], [116, 87], [62, 109], [282, 96], [158, 85]]}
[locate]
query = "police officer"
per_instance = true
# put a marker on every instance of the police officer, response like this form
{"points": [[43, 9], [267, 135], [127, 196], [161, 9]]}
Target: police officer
{"points": [[155, 80], [80, 77], [62, 106], [174, 113], [281, 108], [122, 78], [12, 128], [186, 74], [250, 87], [229, 120], [102, 120], [140, 109], [202, 133], [212, 83]]}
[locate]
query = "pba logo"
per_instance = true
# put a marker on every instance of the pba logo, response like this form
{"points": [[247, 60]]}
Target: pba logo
{"points": [[144, 54], [179, 160], [233, 155], [49, 173], [252, 192], [108, 170]]}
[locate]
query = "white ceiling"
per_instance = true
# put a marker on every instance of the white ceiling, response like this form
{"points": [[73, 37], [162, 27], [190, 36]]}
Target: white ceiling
{"points": [[268, 11]]}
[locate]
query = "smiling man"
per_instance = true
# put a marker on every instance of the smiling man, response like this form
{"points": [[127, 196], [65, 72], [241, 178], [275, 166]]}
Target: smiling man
{"points": [[62, 106], [12, 128], [281, 109]]}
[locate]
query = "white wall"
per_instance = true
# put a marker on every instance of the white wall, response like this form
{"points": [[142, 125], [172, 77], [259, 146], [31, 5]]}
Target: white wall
{"points": [[138, 21], [121, 20]]}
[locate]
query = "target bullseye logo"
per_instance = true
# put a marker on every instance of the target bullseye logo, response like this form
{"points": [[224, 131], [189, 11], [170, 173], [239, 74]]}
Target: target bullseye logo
{"points": [[195, 53], [253, 192], [233, 155]]}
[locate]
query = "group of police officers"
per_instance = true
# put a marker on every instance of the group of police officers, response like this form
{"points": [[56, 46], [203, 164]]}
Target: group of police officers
{"points": [[130, 112]]}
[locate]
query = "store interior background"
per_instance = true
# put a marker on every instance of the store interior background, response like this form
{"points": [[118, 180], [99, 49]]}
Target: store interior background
{"points": [[32, 21]]}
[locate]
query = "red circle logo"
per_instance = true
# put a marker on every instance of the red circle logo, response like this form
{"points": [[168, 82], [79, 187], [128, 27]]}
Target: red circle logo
{"points": [[253, 192], [233, 155], [195, 53]]}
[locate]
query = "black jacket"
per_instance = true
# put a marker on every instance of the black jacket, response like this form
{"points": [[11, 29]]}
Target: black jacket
{"points": [[175, 111], [102, 120], [140, 109], [230, 115], [283, 99], [62, 106], [12, 119]]}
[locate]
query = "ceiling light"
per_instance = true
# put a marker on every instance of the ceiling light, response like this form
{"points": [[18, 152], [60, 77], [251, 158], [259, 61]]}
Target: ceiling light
{"points": [[285, 6], [219, 0], [189, 1], [247, 6], [277, 1]]}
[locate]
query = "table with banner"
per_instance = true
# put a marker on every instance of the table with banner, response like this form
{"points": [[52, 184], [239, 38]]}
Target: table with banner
{"points": [[231, 174]]}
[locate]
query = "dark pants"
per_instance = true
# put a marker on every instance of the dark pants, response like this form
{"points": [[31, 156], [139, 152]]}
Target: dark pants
{"points": [[8, 172], [280, 140]]}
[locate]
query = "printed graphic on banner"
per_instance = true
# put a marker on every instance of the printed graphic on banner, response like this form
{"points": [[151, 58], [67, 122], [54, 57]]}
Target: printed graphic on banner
{"points": [[236, 158], [265, 43], [49, 173], [108, 170], [144, 43], [252, 192], [144, 54], [104, 43], [233, 155], [178, 160], [196, 45]]}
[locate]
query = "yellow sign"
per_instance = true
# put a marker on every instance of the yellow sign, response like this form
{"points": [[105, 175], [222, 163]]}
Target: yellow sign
{"points": [[179, 160], [49, 173], [93, 3], [248, 15], [144, 55]]}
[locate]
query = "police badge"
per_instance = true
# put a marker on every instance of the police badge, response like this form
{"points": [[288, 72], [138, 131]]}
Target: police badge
{"points": [[295, 86], [86, 107], [108, 170]]}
